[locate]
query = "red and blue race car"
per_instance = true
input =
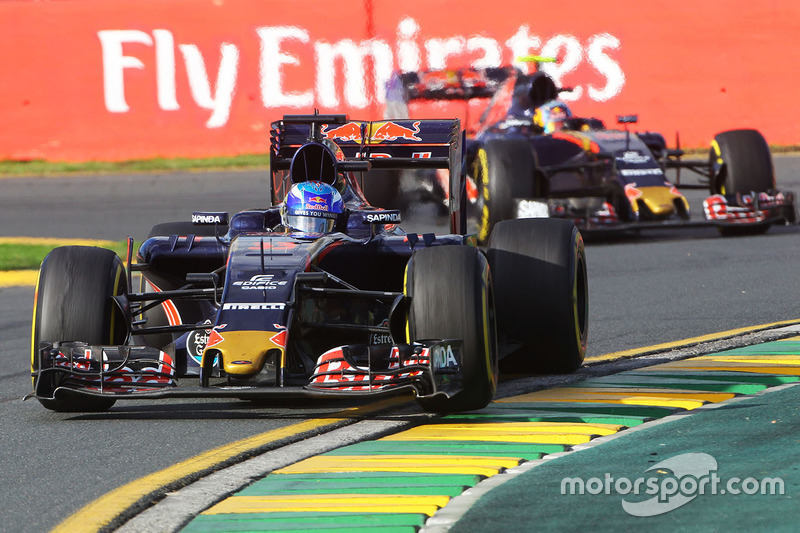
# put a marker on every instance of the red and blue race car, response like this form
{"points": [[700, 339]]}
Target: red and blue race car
{"points": [[318, 295], [529, 156]]}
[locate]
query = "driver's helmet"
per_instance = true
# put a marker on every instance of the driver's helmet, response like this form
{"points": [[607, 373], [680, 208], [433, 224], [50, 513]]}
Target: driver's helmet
{"points": [[552, 116], [311, 207]]}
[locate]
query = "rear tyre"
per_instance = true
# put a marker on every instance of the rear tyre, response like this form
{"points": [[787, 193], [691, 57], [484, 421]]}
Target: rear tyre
{"points": [[541, 293], [451, 298], [741, 163], [73, 302], [503, 170]]}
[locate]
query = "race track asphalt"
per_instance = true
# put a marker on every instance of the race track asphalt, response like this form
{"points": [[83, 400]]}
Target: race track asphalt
{"points": [[518, 457]]}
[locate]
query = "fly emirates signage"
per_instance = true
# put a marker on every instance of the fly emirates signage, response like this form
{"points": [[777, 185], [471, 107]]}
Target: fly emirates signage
{"points": [[93, 79], [344, 75]]}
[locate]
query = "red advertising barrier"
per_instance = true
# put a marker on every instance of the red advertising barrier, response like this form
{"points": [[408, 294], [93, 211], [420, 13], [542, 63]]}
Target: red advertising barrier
{"points": [[122, 79]]}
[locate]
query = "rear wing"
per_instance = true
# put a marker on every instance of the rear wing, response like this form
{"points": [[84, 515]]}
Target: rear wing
{"points": [[448, 84], [503, 89], [456, 92], [384, 144], [461, 84]]}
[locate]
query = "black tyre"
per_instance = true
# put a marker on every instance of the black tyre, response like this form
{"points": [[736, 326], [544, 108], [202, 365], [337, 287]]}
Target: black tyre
{"points": [[166, 229], [451, 298], [73, 302], [503, 170], [541, 293], [741, 163]]}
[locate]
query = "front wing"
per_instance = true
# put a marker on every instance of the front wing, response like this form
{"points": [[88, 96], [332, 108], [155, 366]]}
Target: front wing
{"points": [[430, 368], [759, 209]]}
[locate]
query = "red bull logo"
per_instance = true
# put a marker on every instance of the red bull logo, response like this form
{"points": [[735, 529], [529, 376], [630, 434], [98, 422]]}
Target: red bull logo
{"points": [[391, 131], [386, 131], [318, 200], [346, 132]]}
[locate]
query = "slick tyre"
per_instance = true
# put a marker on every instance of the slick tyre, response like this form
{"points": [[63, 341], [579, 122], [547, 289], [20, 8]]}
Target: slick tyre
{"points": [[73, 302], [450, 290], [541, 294], [741, 163], [503, 170]]}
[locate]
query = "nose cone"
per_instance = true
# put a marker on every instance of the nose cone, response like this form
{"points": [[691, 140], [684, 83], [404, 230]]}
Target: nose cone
{"points": [[244, 352], [660, 200]]}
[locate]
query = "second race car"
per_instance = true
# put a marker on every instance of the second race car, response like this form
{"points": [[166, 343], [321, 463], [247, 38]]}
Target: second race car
{"points": [[529, 156]]}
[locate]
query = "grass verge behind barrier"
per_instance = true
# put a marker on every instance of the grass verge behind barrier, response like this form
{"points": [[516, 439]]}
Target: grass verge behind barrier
{"points": [[239, 162], [54, 168]]}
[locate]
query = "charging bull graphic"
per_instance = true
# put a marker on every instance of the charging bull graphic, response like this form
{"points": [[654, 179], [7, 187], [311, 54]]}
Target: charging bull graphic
{"points": [[381, 131], [346, 132]]}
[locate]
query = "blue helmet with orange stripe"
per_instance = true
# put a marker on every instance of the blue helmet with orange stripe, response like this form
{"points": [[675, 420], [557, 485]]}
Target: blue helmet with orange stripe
{"points": [[311, 207]]}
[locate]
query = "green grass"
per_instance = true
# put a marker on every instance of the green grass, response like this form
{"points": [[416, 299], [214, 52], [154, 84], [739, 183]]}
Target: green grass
{"points": [[44, 168], [29, 256]]}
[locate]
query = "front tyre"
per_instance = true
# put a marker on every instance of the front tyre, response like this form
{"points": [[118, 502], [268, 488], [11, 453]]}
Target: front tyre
{"points": [[73, 302], [741, 164], [541, 293], [451, 298]]}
